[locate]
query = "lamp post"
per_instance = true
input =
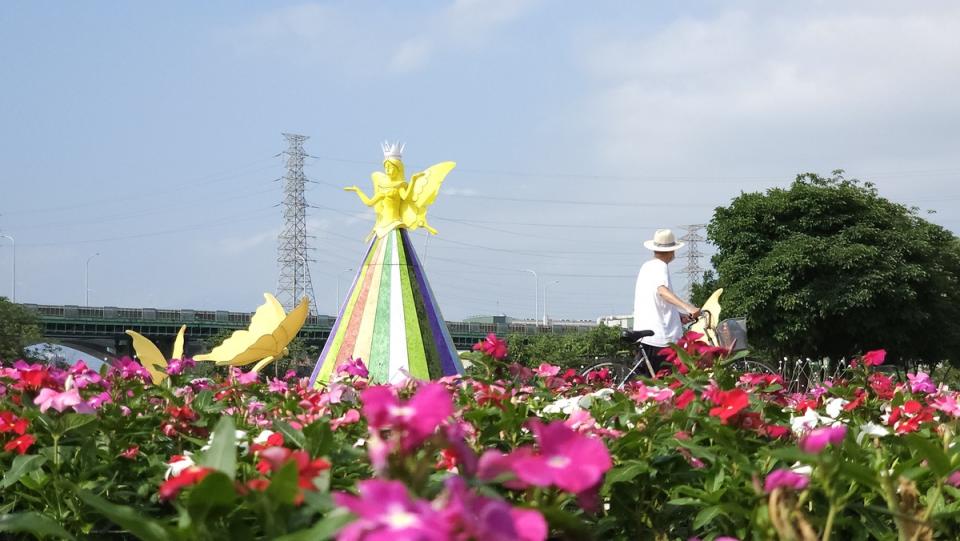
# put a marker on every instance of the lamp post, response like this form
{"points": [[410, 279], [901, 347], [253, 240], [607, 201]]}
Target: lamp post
{"points": [[13, 280], [545, 287], [339, 307], [536, 293], [86, 280]]}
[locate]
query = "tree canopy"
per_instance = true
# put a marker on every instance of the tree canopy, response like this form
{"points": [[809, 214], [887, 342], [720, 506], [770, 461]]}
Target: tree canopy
{"points": [[827, 267], [18, 329]]}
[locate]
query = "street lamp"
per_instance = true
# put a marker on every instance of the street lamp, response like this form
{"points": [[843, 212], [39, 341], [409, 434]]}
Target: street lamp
{"points": [[545, 299], [86, 280], [339, 307], [536, 293], [13, 280]]}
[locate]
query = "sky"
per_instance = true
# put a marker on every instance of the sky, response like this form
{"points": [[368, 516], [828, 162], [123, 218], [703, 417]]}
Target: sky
{"points": [[150, 134]]}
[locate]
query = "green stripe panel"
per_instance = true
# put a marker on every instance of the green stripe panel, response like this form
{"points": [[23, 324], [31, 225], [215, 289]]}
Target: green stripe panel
{"points": [[430, 350], [331, 358], [380, 351], [416, 357]]}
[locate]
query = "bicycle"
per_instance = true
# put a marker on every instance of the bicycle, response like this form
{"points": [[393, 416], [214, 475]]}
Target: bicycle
{"points": [[622, 373]]}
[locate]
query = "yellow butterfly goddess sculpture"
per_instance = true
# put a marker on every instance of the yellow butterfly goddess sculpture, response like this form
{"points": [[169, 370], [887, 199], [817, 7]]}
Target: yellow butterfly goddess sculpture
{"points": [[150, 356], [266, 339], [397, 202]]}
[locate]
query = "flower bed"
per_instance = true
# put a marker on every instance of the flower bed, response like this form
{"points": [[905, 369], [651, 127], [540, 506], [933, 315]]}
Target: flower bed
{"points": [[507, 453]]}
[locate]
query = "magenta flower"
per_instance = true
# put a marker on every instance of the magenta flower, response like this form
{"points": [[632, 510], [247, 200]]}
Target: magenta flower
{"points": [[566, 459], [921, 383], [954, 479], [353, 367], [276, 385], [48, 398], [472, 516], [246, 378], [875, 357], [98, 400], [818, 438], [130, 369], [783, 478], [176, 366], [385, 511], [415, 419]]}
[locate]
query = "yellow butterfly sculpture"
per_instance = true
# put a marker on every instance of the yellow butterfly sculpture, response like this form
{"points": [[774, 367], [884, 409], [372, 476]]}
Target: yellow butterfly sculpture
{"points": [[150, 356], [266, 339], [710, 318]]}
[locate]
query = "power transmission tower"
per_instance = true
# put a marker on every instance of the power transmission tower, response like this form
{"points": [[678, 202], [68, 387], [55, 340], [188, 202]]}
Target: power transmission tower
{"points": [[692, 269], [294, 282]]}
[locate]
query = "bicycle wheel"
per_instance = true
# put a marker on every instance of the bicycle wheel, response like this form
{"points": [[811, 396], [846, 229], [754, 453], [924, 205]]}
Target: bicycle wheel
{"points": [[746, 366]]}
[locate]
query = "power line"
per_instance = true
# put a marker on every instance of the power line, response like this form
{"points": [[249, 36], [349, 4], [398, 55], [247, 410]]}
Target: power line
{"points": [[692, 269]]}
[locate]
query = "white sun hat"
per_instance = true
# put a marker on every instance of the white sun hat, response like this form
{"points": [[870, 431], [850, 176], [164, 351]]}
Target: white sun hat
{"points": [[663, 241]]}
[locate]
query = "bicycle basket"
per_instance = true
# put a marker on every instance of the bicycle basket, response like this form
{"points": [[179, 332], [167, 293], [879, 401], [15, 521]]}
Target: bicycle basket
{"points": [[732, 334]]}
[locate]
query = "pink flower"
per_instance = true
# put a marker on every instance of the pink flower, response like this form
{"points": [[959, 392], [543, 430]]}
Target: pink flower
{"points": [[954, 479], [247, 378], [566, 459], [921, 383], [947, 404], [176, 366], [131, 452], [48, 398], [385, 511], [492, 346], [130, 369], [875, 357], [818, 438], [415, 419], [547, 370], [277, 386], [783, 478], [354, 367], [348, 418], [98, 400]]}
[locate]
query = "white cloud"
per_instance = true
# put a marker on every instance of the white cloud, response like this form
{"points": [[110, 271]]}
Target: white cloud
{"points": [[785, 87]]}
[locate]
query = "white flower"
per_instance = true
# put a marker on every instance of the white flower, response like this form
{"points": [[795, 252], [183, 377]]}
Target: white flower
{"points": [[834, 406], [241, 436], [263, 437], [871, 429], [803, 469], [808, 421], [565, 406], [174, 468]]}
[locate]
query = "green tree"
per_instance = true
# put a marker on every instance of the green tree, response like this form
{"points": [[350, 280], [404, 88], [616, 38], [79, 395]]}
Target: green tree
{"points": [[827, 267], [19, 328], [701, 290]]}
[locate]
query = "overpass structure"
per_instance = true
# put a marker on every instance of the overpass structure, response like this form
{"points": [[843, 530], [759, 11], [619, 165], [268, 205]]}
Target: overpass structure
{"points": [[99, 331]]}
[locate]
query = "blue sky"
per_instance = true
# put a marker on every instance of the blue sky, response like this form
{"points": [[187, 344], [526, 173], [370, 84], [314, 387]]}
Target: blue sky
{"points": [[148, 133]]}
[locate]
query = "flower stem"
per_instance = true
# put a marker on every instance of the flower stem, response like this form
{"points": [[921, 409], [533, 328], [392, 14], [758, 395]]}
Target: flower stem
{"points": [[828, 527]]}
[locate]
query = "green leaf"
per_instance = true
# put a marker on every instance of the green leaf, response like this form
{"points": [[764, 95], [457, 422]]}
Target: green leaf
{"points": [[222, 454], [22, 465], [319, 438], [203, 400], [321, 531], [685, 501], [35, 523], [626, 472], [284, 484], [73, 421], [216, 490], [141, 526], [792, 454], [861, 474], [936, 458], [290, 434], [706, 515]]}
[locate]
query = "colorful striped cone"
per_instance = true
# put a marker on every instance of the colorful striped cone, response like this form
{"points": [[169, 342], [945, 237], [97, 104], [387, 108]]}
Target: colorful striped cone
{"points": [[390, 319]]}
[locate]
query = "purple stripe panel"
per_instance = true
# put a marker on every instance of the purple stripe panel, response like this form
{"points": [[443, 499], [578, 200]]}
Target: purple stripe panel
{"points": [[439, 328]]}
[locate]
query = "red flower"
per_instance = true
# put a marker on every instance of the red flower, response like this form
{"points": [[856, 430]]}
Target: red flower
{"points": [[188, 477], [874, 358], [730, 403], [20, 443], [881, 385], [492, 346], [11, 423], [274, 458], [775, 431], [860, 396], [685, 398], [131, 453]]}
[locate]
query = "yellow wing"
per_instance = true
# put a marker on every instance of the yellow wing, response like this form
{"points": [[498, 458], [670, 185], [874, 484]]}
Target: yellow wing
{"points": [[272, 344], [707, 324], [150, 356], [426, 185], [264, 321], [178, 344]]}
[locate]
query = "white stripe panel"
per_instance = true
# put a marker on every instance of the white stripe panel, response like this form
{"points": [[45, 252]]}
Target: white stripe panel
{"points": [[398, 328]]}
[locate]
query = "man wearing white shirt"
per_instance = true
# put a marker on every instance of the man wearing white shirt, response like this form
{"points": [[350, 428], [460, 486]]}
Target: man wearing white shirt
{"points": [[655, 306]]}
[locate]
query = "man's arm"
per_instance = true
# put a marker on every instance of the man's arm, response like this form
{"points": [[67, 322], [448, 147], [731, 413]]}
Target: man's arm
{"points": [[671, 298]]}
